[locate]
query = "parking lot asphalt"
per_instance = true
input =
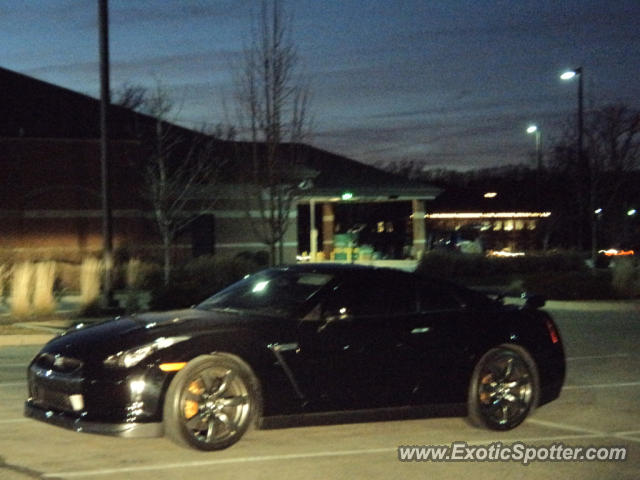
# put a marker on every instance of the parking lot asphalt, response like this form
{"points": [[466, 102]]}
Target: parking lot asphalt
{"points": [[598, 408]]}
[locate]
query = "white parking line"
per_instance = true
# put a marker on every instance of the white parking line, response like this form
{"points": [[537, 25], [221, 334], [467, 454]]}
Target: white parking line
{"points": [[594, 433], [13, 384], [15, 420], [563, 426], [632, 432], [602, 385], [599, 357], [221, 461], [14, 365], [272, 458], [627, 438]]}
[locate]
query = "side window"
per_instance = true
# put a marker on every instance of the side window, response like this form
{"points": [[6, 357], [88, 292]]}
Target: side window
{"points": [[357, 298], [374, 296], [434, 296]]}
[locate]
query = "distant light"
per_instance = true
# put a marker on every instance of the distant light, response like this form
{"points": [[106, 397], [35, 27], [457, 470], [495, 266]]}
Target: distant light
{"points": [[260, 286], [347, 196], [568, 75], [532, 128], [598, 211], [504, 253], [474, 215], [612, 252], [490, 195], [631, 212]]}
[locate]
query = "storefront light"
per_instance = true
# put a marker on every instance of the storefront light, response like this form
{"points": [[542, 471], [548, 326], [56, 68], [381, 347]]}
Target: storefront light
{"points": [[475, 215]]}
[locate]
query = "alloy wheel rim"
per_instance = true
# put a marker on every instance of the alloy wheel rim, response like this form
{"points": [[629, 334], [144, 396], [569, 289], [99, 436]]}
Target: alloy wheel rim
{"points": [[505, 389], [215, 405]]}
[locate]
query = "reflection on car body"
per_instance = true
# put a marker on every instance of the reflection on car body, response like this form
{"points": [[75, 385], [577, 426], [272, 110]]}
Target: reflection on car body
{"points": [[292, 342]]}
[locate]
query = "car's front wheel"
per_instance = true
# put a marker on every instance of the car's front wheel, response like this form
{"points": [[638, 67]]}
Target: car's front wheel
{"points": [[504, 388], [211, 402]]}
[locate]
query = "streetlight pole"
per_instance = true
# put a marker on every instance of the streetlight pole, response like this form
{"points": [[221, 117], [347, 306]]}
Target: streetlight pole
{"points": [[107, 228], [582, 159], [533, 129]]}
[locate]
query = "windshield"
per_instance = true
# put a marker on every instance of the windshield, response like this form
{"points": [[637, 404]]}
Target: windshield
{"points": [[271, 292]]}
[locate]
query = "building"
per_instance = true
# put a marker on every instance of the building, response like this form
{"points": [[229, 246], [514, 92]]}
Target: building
{"points": [[479, 219], [50, 203]]}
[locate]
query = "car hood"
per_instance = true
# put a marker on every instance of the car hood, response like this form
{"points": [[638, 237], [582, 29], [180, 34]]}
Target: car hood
{"points": [[96, 340]]}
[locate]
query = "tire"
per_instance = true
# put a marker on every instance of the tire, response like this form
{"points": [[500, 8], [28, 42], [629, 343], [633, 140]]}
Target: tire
{"points": [[504, 388], [211, 402]]}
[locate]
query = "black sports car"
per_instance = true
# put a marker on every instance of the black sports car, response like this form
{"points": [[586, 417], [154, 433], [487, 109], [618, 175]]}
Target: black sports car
{"points": [[290, 342]]}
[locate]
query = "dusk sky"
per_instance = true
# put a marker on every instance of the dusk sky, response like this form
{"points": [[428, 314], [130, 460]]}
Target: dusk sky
{"points": [[450, 83]]}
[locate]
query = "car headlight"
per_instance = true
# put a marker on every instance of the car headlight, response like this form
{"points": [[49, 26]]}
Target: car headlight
{"points": [[133, 356]]}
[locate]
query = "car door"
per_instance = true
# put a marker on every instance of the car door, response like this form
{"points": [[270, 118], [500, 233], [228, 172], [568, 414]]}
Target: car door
{"points": [[442, 333], [352, 353]]}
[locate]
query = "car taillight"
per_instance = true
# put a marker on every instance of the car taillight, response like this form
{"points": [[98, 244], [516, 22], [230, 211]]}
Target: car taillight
{"points": [[553, 333]]}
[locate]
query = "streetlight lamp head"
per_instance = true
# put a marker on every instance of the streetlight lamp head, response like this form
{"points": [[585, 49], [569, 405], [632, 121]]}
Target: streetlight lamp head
{"points": [[568, 75], [532, 128]]}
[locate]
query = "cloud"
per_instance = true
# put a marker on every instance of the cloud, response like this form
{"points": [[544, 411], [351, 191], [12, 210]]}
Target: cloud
{"points": [[184, 10]]}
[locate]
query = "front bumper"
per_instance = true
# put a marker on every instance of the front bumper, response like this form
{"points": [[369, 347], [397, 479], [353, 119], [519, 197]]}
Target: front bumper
{"points": [[78, 424], [128, 405]]}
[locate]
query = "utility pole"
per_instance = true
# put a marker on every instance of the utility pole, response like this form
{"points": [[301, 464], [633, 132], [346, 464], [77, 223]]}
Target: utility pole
{"points": [[107, 227]]}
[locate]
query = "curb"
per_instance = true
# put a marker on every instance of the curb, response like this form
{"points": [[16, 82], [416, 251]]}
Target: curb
{"points": [[594, 305], [21, 340]]}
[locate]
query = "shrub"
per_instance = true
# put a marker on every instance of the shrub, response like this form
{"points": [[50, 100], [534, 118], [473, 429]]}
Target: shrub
{"points": [[5, 273], [582, 285], [625, 279], [458, 265], [136, 278], [43, 286], [90, 281], [21, 281], [133, 274], [200, 278], [68, 276]]}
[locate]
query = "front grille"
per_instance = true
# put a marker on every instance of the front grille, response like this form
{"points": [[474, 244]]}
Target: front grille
{"points": [[58, 363]]}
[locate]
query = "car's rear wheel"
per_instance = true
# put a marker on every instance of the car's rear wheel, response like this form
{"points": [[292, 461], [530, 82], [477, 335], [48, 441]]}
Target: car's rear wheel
{"points": [[504, 388], [211, 402]]}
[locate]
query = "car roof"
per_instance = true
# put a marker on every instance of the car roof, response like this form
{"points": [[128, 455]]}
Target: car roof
{"points": [[340, 268]]}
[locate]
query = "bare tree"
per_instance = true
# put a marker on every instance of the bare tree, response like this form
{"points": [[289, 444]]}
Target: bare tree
{"points": [[612, 150], [179, 175], [613, 147], [272, 100], [133, 97]]}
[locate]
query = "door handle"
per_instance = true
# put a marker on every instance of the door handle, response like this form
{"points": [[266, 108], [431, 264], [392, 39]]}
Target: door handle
{"points": [[419, 330], [283, 347]]}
